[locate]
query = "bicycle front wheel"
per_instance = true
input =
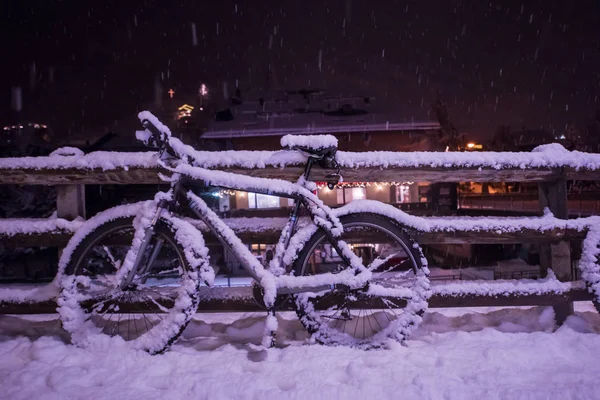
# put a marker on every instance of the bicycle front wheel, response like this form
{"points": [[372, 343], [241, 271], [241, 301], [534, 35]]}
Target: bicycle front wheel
{"points": [[392, 304], [151, 313]]}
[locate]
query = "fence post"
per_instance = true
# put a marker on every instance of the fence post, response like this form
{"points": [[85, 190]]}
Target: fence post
{"points": [[556, 256], [70, 201]]}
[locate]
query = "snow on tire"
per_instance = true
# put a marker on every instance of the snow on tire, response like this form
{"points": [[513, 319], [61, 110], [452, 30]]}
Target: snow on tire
{"points": [[392, 304], [153, 313]]}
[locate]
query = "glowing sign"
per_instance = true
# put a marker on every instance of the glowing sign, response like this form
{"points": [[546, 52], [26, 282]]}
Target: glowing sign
{"points": [[185, 111]]}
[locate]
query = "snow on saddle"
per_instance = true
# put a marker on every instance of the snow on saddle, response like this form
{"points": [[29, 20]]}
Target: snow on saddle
{"points": [[316, 145]]}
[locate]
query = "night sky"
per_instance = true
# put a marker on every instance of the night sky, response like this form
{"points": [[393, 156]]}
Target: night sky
{"points": [[82, 65]]}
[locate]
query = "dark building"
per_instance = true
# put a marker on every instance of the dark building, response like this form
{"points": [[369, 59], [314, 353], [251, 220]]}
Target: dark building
{"points": [[258, 122]]}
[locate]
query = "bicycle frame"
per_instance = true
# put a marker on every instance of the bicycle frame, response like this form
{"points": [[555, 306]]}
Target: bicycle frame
{"points": [[182, 197]]}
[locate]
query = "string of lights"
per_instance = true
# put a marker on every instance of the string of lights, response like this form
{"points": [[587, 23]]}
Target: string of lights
{"points": [[321, 185], [226, 192]]}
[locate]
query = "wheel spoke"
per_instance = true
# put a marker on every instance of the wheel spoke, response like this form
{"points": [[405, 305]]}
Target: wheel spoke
{"points": [[111, 257]]}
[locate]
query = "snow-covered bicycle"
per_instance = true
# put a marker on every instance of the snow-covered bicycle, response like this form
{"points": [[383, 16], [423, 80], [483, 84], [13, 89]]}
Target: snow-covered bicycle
{"points": [[135, 271]]}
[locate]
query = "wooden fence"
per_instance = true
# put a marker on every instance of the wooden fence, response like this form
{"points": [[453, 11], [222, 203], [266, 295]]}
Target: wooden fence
{"points": [[551, 182]]}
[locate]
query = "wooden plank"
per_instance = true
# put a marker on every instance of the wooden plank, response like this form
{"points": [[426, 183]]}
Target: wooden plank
{"points": [[120, 176], [493, 237], [582, 174], [70, 201], [556, 256], [248, 304], [69, 176], [60, 238]]}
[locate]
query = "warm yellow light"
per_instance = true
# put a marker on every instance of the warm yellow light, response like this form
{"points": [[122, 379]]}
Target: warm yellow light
{"points": [[379, 187], [470, 145], [186, 107]]}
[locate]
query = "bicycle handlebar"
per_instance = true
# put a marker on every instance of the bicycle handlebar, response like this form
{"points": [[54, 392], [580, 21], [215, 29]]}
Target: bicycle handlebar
{"points": [[157, 135], [159, 139]]}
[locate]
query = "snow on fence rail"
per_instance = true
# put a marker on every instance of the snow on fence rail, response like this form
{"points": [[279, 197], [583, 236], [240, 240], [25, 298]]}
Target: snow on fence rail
{"points": [[240, 299], [549, 164], [56, 232]]}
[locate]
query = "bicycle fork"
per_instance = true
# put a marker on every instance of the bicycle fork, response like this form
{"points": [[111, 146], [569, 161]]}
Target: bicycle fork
{"points": [[140, 267]]}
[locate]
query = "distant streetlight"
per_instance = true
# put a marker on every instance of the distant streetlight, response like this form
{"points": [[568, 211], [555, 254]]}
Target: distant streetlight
{"points": [[203, 91], [474, 146]]}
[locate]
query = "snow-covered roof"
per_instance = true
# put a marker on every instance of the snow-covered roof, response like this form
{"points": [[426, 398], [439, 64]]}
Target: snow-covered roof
{"points": [[317, 113], [316, 126]]}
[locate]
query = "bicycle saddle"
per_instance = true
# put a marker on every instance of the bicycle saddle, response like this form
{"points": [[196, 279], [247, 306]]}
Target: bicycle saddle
{"points": [[315, 145]]}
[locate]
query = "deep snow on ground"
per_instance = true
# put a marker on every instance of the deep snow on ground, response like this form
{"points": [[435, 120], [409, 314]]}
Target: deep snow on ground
{"points": [[491, 353]]}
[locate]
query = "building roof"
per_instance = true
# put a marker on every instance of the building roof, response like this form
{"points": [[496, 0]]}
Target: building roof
{"points": [[301, 112]]}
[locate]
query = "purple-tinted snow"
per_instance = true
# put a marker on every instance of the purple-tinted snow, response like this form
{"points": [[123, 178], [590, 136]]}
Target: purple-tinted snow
{"points": [[549, 156]]}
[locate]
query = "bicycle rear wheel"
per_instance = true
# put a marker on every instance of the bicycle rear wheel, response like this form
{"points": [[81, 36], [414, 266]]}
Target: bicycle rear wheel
{"points": [[392, 304], [152, 313]]}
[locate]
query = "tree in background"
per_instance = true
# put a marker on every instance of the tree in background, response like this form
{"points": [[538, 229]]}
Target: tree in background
{"points": [[449, 136], [591, 135], [503, 139]]}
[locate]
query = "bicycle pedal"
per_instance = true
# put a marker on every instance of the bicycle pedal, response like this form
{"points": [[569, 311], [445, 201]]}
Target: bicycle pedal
{"points": [[343, 316], [340, 287]]}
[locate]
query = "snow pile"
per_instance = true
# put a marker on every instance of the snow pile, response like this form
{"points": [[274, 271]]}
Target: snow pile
{"points": [[15, 226], [16, 293], [505, 287], [104, 160], [67, 151], [555, 148], [510, 353], [315, 142]]}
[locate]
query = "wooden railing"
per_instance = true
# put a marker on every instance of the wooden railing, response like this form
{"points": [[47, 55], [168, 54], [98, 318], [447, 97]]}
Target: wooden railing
{"points": [[551, 181], [578, 203]]}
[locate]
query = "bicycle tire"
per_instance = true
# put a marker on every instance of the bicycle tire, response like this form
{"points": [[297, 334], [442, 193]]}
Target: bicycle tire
{"points": [[178, 304], [320, 322]]}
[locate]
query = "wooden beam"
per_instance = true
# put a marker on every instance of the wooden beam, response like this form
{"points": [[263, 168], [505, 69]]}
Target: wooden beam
{"points": [[245, 303], [556, 256], [137, 175], [582, 174], [70, 201], [493, 237], [69, 176], [60, 238]]}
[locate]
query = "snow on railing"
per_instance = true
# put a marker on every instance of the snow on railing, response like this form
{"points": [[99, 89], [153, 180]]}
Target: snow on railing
{"points": [[548, 156]]}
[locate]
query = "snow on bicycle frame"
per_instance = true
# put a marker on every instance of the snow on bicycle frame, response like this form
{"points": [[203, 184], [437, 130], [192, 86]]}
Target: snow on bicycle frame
{"points": [[178, 158]]}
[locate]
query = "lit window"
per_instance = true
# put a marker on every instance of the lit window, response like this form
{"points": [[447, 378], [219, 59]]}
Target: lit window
{"points": [[403, 194], [340, 196], [346, 195], [256, 200], [358, 193], [224, 203]]}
